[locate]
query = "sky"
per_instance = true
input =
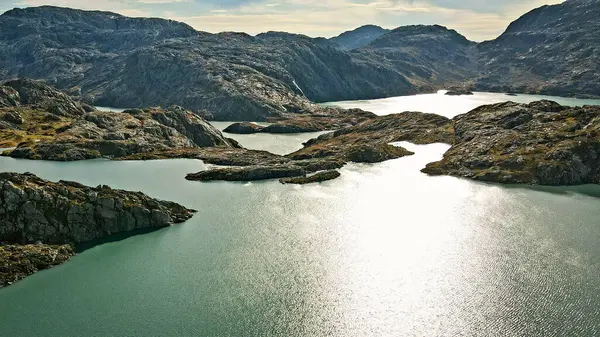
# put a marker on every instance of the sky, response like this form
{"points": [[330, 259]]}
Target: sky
{"points": [[478, 20]]}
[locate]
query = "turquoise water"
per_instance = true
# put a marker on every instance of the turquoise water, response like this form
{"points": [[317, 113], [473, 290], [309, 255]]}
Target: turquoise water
{"points": [[383, 251]]}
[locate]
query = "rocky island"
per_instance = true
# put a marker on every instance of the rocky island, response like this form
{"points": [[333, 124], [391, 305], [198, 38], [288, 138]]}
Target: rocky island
{"points": [[42, 222], [539, 143]]}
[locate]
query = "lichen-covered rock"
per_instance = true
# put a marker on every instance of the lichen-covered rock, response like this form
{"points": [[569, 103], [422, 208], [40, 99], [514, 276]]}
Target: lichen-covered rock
{"points": [[33, 209], [243, 128], [369, 141], [107, 134], [266, 171], [40, 96], [20, 261], [314, 178], [539, 143]]}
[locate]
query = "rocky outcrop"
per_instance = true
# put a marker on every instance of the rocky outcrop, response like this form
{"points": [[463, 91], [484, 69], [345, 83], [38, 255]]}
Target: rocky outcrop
{"points": [[38, 95], [366, 142], [314, 178], [41, 220], [243, 128], [32, 111], [539, 143], [458, 92], [264, 172], [19, 261], [327, 119], [33, 209], [107, 134], [369, 141]]}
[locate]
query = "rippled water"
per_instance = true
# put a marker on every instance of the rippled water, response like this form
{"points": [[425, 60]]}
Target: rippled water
{"points": [[382, 251]]}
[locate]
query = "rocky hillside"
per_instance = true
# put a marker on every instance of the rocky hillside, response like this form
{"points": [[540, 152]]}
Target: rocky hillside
{"points": [[551, 50], [538, 143], [358, 37], [35, 213], [116, 61], [47, 124], [429, 56], [111, 60]]}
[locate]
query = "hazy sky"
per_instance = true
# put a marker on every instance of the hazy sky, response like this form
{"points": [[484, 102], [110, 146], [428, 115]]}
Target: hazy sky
{"points": [[476, 19]]}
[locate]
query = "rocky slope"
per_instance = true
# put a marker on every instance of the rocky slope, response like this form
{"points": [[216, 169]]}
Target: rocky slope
{"points": [[550, 50], [369, 141], [430, 57], [46, 124], [39, 212], [358, 37], [539, 143], [366, 142], [111, 60], [325, 119]]}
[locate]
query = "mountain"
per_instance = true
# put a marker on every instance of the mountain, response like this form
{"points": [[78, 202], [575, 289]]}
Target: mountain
{"points": [[112, 60], [427, 55], [358, 37], [550, 50], [108, 59]]}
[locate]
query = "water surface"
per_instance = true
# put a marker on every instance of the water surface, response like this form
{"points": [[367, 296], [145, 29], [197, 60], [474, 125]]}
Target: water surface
{"points": [[382, 251]]}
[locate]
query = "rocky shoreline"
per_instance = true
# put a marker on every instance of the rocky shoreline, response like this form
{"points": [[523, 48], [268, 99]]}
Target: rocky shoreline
{"points": [[541, 143], [42, 221]]}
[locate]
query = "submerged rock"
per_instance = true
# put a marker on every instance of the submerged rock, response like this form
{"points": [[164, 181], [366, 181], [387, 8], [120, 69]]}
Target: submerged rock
{"points": [[539, 143]]}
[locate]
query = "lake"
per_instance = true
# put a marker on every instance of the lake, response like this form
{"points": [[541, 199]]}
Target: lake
{"points": [[382, 251]]}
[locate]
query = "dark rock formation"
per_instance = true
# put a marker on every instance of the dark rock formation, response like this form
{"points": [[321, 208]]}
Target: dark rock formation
{"points": [[430, 57], [458, 92], [19, 261], [108, 134], [369, 141], [33, 210], [243, 128], [358, 37], [265, 172], [326, 119], [539, 143], [315, 178]]}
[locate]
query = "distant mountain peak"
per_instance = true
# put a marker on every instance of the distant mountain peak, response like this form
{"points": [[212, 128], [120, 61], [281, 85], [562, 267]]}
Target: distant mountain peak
{"points": [[358, 37]]}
